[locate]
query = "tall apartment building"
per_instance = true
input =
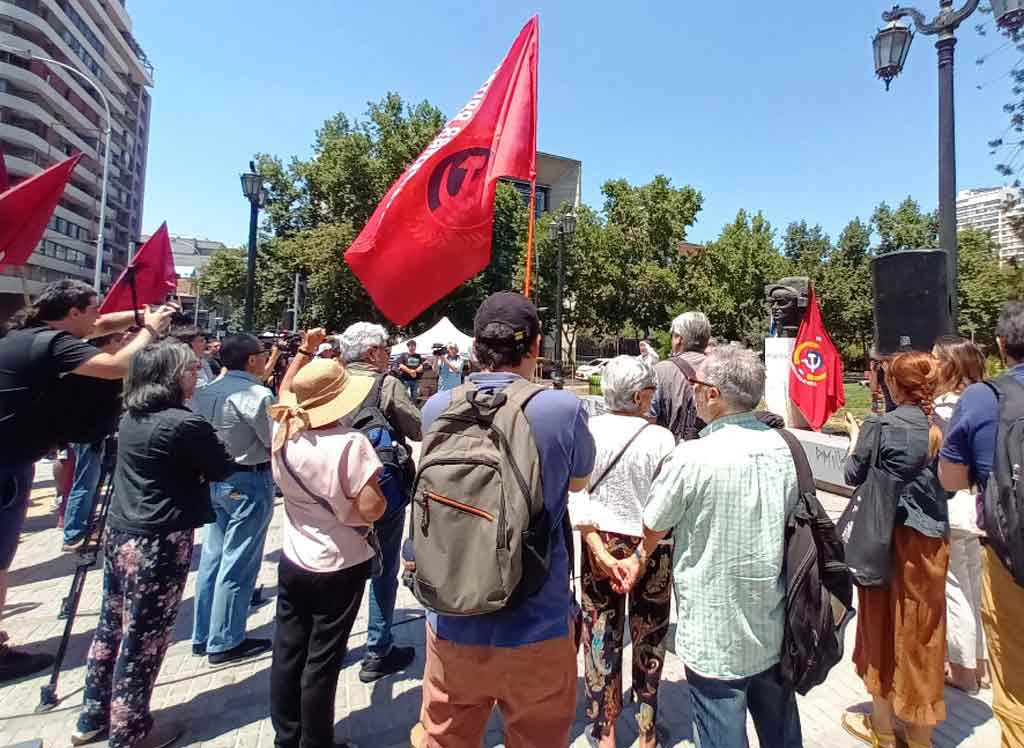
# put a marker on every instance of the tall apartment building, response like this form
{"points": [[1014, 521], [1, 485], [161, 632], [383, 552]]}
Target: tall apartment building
{"points": [[990, 210], [47, 114]]}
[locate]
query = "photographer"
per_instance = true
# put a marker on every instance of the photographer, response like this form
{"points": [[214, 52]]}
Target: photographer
{"points": [[42, 346], [98, 404], [448, 365]]}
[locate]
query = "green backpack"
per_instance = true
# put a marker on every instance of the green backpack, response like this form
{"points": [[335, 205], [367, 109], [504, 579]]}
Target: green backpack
{"points": [[480, 533]]}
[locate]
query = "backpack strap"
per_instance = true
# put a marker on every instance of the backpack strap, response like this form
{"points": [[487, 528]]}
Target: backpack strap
{"points": [[618, 456], [804, 475], [521, 391], [41, 344]]}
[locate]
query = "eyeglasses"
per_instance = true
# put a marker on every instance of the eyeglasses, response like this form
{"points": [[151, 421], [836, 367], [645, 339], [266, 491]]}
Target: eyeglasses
{"points": [[695, 382]]}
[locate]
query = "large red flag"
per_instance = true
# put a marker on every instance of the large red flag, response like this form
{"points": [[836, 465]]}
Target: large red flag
{"points": [[5, 178], [26, 209], [816, 370], [432, 230], [155, 277]]}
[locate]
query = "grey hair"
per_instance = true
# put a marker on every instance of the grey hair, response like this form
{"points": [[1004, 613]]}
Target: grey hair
{"points": [[153, 381], [694, 329], [1010, 329], [359, 338], [621, 378], [738, 373]]}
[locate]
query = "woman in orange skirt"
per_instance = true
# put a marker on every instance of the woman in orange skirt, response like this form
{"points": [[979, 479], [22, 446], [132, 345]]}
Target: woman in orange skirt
{"points": [[901, 629]]}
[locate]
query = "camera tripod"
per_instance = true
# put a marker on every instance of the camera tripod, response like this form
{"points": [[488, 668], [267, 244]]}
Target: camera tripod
{"points": [[88, 553]]}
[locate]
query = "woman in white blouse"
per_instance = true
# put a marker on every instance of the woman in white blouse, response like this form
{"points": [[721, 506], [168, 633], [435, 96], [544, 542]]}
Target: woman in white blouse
{"points": [[630, 452]]}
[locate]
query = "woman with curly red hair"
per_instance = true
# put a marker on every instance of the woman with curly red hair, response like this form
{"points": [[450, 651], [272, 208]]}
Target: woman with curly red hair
{"points": [[901, 629]]}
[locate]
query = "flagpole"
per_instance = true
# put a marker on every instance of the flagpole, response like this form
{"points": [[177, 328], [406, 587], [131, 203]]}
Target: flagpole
{"points": [[529, 240]]}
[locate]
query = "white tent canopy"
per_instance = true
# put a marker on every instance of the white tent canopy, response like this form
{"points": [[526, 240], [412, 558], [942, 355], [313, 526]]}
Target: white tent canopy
{"points": [[444, 332]]}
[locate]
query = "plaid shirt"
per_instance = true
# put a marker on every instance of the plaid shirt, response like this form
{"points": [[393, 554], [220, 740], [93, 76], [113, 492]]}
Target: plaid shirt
{"points": [[727, 497]]}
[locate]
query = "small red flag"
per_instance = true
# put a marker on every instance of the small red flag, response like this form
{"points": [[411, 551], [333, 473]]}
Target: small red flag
{"points": [[432, 230], [816, 370], [26, 208], [155, 276]]}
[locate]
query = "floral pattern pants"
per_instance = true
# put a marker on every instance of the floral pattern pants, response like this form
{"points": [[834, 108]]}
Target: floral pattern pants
{"points": [[604, 617], [143, 578]]}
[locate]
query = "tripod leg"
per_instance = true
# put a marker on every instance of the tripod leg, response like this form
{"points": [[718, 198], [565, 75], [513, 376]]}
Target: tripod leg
{"points": [[88, 554]]}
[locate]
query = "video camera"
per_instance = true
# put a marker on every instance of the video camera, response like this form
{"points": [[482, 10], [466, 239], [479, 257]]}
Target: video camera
{"points": [[439, 349]]}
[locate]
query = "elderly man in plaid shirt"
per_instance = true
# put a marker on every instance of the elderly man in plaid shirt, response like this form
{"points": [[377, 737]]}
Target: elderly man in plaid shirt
{"points": [[726, 498]]}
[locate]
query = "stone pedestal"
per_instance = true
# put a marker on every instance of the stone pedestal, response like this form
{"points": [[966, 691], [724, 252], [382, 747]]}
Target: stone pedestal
{"points": [[777, 355]]}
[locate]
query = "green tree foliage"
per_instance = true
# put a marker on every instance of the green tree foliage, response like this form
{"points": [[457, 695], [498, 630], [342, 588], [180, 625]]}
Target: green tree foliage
{"points": [[726, 281], [844, 292], [983, 286], [904, 228], [806, 248], [222, 282]]}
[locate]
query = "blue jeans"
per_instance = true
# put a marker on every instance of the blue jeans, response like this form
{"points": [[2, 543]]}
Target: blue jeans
{"points": [[231, 558], [384, 589], [720, 711], [413, 388], [88, 461]]}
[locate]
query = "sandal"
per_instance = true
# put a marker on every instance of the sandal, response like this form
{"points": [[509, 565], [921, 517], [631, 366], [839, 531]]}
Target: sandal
{"points": [[859, 726]]}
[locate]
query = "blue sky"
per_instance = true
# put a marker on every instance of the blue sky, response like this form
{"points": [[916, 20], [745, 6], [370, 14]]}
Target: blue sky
{"points": [[763, 106]]}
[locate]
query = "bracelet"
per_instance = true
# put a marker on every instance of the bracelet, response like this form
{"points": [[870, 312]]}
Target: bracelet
{"points": [[639, 553], [306, 353], [151, 330]]}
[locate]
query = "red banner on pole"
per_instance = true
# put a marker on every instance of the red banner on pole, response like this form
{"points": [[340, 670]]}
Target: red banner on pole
{"points": [[816, 370], [152, 272], [432, 230], [26, 209]]}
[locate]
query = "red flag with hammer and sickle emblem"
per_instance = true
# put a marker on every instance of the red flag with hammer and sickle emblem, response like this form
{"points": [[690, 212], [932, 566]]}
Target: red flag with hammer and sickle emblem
{"points": [[432, 230], [816, 370]]}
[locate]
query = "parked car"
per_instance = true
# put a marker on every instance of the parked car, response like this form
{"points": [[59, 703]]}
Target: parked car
{"points": [[587, 370]]}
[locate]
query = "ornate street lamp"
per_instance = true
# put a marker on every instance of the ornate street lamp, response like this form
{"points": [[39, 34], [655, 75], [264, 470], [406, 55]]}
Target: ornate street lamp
{"points": [[561, 231], [891, 45], [252, 188], [1009, 14]]}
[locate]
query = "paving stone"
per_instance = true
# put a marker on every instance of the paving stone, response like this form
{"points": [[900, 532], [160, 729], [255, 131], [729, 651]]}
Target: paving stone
{"points": [[228, 707]]}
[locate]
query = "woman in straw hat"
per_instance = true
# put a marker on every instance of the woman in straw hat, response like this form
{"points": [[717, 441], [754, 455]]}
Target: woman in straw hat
{"points": [[328, 475]]}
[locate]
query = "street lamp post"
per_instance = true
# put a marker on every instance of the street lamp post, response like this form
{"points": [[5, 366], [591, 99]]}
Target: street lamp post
{"points": [[891, 45], [561, 232], [252, 188], [29, 54]]}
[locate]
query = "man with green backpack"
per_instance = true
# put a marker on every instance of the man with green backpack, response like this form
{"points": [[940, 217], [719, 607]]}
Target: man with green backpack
{"points": [[492, 543]]}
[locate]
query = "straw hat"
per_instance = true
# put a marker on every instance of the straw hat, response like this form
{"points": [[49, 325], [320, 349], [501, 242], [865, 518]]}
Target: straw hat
{"points": [[322, 393]]}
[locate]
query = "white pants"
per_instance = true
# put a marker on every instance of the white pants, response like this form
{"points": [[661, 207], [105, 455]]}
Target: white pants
{"points": [[965, 638]]}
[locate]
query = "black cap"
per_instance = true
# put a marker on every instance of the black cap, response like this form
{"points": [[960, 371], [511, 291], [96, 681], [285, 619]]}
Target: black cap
{"points": [[508, 308]]}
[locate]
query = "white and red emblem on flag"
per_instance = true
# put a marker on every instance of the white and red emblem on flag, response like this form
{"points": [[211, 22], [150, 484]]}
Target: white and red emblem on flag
{"points": [[432, 230]]}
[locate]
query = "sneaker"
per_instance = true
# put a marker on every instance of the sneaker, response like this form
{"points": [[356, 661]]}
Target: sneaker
{"points": [[80, 737], [375, 668], [161, 735], [198, 650], [74, 545], [15, 664], [248, 648]]}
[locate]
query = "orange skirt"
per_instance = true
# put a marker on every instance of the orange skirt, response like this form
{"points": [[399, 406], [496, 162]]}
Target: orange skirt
{"points": [[901, 630]]}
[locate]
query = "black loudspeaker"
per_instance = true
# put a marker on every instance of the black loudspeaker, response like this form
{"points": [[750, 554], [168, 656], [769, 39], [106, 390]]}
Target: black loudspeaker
{"points": [[911, 300]]}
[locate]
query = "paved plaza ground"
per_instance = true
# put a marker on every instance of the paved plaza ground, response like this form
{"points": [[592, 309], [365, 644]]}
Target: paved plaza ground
{"points": [[227, 706]]}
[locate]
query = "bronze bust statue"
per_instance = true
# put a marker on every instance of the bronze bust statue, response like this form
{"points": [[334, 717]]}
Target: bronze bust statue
{"points": [[787, 298]]}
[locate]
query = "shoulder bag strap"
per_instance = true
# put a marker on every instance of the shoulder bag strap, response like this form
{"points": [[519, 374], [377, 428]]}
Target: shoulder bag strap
{"points": [[324, 503], [615, 460], [684, 366], [804, 476]]}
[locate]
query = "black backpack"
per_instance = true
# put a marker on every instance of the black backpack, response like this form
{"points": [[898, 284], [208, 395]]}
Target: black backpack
{"points": [[819, 587], [1004, 492], [399, 471]]}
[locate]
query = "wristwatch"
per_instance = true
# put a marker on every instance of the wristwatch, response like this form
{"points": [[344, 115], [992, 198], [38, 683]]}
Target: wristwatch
{"points": [[307, 353]]}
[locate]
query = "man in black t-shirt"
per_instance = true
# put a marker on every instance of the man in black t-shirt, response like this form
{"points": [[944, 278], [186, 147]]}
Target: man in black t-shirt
{"points": [[410, 369], [45, 344]]}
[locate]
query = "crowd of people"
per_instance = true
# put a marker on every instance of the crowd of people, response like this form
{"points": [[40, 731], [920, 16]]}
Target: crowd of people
{"points": [[681, 489]]}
